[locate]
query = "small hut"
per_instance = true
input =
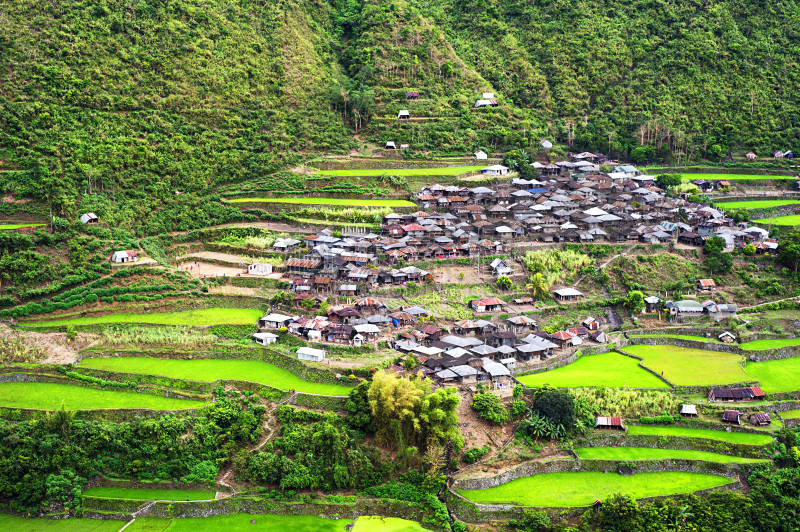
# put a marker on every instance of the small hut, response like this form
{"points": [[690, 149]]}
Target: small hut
{"points": [[609, 423], [759, 419], [412, 95], [390, 145], [90, 218], [403, 115], [731, 416], [689, 411]]}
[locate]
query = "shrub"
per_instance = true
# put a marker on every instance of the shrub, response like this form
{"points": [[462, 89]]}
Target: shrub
{"points": [[489, 407], [476, 453]]}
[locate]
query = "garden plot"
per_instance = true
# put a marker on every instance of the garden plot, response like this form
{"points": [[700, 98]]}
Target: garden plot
{"points": [[12, 523], [607, 369], [208, 316], [646, 453], [212, 370], [150, 494], [744, 438], [50, 396], [776, 375], [582, 489], [691, 367], [239, 523]]}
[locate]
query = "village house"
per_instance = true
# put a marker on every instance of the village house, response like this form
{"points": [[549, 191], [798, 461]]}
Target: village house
{"points": [[125, 256], [749, 393], [490, 304], [731, 417], [760, 419], [688, 411]]}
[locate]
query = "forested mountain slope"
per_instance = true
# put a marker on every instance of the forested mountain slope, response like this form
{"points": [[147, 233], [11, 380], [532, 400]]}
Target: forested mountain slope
{"points": [[139, 100]]}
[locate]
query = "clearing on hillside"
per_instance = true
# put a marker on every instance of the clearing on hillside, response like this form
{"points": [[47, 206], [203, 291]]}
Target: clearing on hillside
{"points": [[49, 396], [452, 170], [330, 201], [582, 489], [646, 453], [238, 523], [776, 375], [691, 367], [12, 523], [755, 204], [781, 220], [150, 495], [607, 369], [211, 370], [744, 438], [206, 316]]}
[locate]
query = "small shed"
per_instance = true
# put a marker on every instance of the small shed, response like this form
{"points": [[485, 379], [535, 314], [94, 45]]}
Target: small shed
{"points": [[481, 155], [707, 285], [750, 155], [265, 338], [759, 419], [727, 337], [412, 95], [403, 115], [731, 416], [689, 411], [309, 353], [389, 145], [259, 269], [609, 423], [124, 256], [90, 218]]}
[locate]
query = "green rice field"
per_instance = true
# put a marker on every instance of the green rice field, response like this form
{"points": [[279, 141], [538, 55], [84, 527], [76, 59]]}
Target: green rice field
{"points": [[732, 177], [211, 370], [206, 316], [238, 523], [452, 170], [5, 227], [150, 495], [645, 453], [691, 367], [776, 375], [770, 344], [369, 523], [12, 523], [582, 489], [790, 414], [744, 438], [607, 369], [678, 336], [331, 201], [49, 396], [781, 220], [755, 204]]}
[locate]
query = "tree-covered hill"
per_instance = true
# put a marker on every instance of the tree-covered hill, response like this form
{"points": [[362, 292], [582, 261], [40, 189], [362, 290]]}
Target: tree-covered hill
{"points": [[116, 105]]}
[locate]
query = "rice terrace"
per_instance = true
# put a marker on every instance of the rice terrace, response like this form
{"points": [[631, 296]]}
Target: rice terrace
{"points": [[399, 266]]}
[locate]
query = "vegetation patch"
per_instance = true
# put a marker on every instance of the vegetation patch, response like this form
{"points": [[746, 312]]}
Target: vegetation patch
{"points": [[12, 523], [691, 367], [582, 489], [238, 523], [781, 220], [49, 396], [453, 170], [645, 453], [763, 204], [369, 523], [607, 369], [211, 370], [207, 316], [329, 201], [730, 437], [758, 345], [776, 375], [150, 494]]}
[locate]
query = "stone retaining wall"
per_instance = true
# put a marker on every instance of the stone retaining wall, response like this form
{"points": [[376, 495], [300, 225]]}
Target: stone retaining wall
{"points": [[779, 353]]}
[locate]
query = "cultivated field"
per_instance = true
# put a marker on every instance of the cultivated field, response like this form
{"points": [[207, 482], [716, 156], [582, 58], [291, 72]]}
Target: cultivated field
{"points": [[4, 227], [720, 435], [607, 369], [12, 523], [386, 524], [765, 204], [678, 336], [211, 370], [691, 367], [776, 375], [453, 170], [206, 316], [150, 495], [239, 523], [769, 344], [48, 396], [645, 453], [330, 201], [781, 220], [790, 414], [582, 489], [733, 177]]}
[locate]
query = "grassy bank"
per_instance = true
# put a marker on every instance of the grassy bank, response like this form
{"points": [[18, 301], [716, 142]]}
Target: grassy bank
{"points": [[206, 316], [720, 435], [47, 396], [150, 495], [330, 201], [645, 453], [607, 369], [211, 370], [691, 367]]}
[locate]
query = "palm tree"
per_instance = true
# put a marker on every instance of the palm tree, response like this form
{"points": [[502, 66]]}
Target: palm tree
{"points": [[538, 284]]}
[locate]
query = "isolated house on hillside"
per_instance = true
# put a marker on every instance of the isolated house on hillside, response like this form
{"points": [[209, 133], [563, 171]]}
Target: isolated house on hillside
{"points": [[124, 256], [90, 218], [403, 115]]}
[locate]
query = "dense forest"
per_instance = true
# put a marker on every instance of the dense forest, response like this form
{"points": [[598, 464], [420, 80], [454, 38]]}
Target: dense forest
{"points": [[150, 105]]}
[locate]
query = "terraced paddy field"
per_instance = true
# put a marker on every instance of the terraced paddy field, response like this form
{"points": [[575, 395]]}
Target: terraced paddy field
{"points": [[582, 489], [386, 524], [691, 367], [49, 396], [677, 336], [211, 370], [12, 523], [755, 204], [770, 344], [150, 495], [776, 375], [206, 316], [790, 414], [607, 369], [744, 438], [781, 220], [452, 170], [646, 453], [330, 201], [8, 227], [733, 177], [239, 523]]}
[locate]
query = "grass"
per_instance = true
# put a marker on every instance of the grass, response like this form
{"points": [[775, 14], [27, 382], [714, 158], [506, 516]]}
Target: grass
{"points": [[607, 369], [769, 344], [370, 523], [582, 489], [238, 523], [645, 453], [691, 367], [211, 370], [744, 438], [331, 201], [733, 177], [49, 396], [5, 227], [12, 523], [150, 495], [678, 336], [790, 414], [755, 204], [206, 316], [781, 220], [453, 170], [776, 375]]}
